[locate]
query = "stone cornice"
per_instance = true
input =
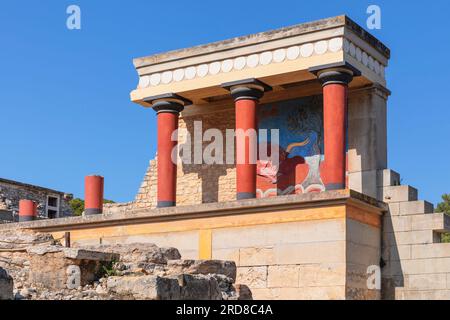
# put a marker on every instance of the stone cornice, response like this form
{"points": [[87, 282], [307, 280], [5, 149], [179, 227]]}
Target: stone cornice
{"points": [[286, 32]]}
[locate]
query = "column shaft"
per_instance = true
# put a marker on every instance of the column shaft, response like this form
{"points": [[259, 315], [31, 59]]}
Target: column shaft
{"points": [[93, 195], [27, 210], [335, 120], [167, 169], [246, 146]]}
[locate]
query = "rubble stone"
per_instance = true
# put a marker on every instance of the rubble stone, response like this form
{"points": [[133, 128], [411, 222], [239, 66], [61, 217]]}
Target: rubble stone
{"points": [[6, 285]]}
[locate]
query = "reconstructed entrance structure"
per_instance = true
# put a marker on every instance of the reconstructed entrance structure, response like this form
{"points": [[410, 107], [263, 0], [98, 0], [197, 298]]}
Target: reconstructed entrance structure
{"points": [[318, 224]]}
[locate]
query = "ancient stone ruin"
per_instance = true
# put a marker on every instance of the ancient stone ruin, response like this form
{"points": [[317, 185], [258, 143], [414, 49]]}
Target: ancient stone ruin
{"points": [[37, 267]]}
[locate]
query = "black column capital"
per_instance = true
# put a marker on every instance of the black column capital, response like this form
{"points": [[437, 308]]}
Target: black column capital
{"points": [[167, 103], [248, 89], [336, 73]]}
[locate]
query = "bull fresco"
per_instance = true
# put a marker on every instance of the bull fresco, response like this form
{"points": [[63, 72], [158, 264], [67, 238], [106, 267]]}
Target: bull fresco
{"points": [[300, 147]]}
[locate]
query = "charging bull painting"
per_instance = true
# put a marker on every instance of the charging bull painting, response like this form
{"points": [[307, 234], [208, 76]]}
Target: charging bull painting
{"points": [[300, 147]]}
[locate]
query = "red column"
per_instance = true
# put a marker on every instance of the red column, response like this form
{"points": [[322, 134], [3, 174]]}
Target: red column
{"points": [[27, 210], [167, 169], [93, 195], [246, 94], [335, 86], [167, 107], [246, 145], [334, 122]]}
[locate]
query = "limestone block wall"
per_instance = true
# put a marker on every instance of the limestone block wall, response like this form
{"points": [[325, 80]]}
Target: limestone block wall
{"points": [[416, 263], [322, 259]]}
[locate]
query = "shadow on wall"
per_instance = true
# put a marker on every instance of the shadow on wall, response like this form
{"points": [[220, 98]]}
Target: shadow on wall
{"points": [[209, 175]]}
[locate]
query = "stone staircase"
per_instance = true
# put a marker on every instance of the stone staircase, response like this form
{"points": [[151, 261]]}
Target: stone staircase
{"points": [[415, 264]]}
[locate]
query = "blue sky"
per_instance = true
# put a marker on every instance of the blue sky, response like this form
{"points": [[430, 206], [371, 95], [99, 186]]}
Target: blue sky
{"points": [[64, 95]]}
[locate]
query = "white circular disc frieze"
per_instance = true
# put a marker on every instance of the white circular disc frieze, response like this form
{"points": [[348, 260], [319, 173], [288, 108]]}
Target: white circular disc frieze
{"points": [[320, 47], [307, 50], [178, 75], [227, 65], [190, 73], [155, 79], [279, 55], [371, 63], [376, 67], [252, 60], [352, 50], [239, 63], [365, 59], [335, 44], [265, 58], [166, 77], [144, 82], [293, 53], [358, 54], [214, 68], [346, 46], [202, 70]]}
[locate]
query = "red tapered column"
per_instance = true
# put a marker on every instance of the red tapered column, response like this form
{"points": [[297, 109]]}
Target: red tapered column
{"points": [[93, 195], [167, 169], [334, 122], [168, 108], [335, 86], [246, 148], [246, 94], [27, 210]]}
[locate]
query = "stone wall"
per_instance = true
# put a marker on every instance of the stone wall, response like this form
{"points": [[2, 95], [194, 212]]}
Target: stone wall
{"points": [[417, 264], [11, 193]]}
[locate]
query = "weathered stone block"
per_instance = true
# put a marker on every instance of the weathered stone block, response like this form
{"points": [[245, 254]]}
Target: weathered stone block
{"points": [[250, 257], [387, 178], [226, 254], [408, 237], [416, 207], [439, 222], [139, 253], [227, 268], [283, 276], [426, 282], [397, 224], [397, 194], [6, 285], [308, 253], [56, 267], [434, 250], [254, 277], [322, 275], [199, 287], [144, 287]]}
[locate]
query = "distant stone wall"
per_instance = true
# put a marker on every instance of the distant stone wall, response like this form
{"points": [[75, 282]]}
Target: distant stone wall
{"points": [[11, 194]]}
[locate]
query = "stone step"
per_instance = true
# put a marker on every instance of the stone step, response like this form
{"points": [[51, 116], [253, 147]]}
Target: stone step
{"points": [[397, 194], [416, 207], [409, 208], [437, 222], [388, 178]]}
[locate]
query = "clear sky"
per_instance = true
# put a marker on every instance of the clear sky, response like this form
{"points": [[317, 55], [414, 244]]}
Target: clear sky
{"points": [[65, 110]]}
